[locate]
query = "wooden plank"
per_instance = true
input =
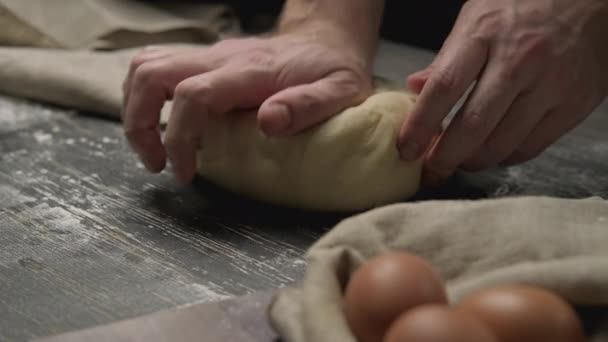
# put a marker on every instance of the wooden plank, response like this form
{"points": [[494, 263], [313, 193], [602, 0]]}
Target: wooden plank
{"points": [[88, 237]]}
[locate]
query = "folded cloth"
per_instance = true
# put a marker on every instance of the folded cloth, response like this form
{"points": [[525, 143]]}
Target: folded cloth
{"points": [[111, 24], [60, 62], [83, 79], [558, 244]]}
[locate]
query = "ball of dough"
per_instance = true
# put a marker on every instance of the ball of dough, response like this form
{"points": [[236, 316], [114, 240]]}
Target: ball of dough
{"points": [[348, 163]]}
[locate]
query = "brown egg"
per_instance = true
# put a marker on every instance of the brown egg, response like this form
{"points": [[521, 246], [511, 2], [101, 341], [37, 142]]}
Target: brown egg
{"points": [[437, 323], [520, 313], [385, 287]]}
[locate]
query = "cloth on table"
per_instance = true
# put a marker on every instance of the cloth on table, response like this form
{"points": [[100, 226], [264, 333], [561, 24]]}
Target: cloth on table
{"points": [[559, 244], [84, 80], [52, 49], [111, 24]]}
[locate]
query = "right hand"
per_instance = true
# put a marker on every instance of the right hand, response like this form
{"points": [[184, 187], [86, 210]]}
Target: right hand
{"points": [[295, 80]]}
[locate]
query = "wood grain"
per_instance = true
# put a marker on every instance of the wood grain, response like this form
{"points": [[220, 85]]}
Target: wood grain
{"points": [[87, 237]]}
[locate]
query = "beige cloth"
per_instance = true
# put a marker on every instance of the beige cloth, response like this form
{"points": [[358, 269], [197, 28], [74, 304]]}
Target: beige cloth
{"points": [[559, 244], [59, 61], [84, 80], [110, 24]]}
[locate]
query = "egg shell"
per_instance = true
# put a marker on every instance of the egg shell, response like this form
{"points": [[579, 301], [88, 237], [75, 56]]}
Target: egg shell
{"points": [[386, 286], [438, 323], [521, 313]]}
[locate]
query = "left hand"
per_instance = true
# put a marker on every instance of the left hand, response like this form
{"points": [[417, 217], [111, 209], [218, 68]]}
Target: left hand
{"points": [[540, 67]]}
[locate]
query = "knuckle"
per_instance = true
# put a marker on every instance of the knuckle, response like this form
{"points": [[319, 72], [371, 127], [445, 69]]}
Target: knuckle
{"points": [[536, 43], [508, 74], [532, 47], [195, 92], [525, 52], [229, 43], [185, 91], [138, 60], [260, 57], [308, 103], [471, 121], [149, 73], [445, 79], [489, 23], [352, 87], [141, 57]]}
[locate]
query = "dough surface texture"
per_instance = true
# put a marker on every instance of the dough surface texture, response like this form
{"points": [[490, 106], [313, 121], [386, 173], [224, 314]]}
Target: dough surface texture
{"points": [[348, 163]]}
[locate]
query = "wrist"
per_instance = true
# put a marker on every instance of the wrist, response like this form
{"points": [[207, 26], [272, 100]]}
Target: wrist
{"points": [[331, 35], [349, 25]]}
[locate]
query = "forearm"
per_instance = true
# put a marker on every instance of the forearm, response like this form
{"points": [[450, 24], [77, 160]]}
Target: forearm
{"points": [[353, 23]]}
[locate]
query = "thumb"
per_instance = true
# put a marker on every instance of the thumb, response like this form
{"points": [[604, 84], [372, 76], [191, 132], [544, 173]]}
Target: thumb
{"points": [[299, 107]]}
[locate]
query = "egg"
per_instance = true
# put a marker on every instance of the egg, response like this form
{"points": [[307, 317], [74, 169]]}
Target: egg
{"points": [[386, 286], [521, 313], [437, 323]]}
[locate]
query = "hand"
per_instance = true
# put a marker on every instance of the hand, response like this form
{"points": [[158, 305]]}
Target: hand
{"points": [[540, 67], [295, 80]]}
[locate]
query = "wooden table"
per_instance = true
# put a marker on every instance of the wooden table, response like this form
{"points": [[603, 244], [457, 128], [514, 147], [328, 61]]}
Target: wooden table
{"points": [[87, 237]]}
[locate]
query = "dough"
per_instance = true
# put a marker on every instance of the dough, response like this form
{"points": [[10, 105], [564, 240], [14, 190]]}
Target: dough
{"points": [[348, 163]]}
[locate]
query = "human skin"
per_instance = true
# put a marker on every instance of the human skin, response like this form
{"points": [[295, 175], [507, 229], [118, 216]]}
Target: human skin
{"points": [[540, 67], [317, 63]]}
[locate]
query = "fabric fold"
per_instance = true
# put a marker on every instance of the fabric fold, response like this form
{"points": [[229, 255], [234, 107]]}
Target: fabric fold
{"points": [[111, 24], [51, 49], [558, 244]]}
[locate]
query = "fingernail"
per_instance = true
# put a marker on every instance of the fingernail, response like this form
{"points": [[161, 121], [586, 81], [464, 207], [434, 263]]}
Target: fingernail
{"points": [[277, 120], [409, 150]]}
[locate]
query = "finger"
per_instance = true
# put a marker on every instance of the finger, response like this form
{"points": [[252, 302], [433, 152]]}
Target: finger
{"points": [[553, 126], [147, 55], [153, 83], [299, 107], [472, 125], [214, 93], [451, 76], [417, 80], [524, 114]]}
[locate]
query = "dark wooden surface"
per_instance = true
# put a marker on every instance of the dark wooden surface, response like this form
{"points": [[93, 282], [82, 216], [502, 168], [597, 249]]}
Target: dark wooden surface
{"points": [[87, 237]]}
